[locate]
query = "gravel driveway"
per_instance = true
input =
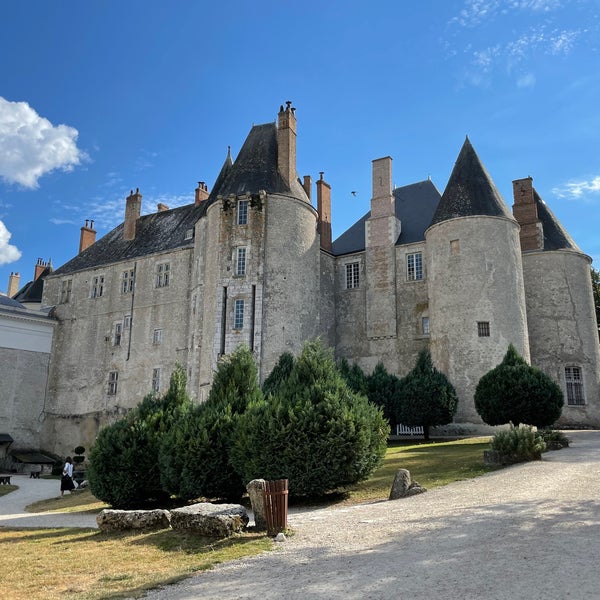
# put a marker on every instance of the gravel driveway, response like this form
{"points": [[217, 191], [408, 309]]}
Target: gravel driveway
{"points": [[529, 531]]}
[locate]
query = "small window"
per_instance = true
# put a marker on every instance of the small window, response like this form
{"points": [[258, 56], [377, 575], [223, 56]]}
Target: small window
{"points": [[242, 212], [238, 317], [189, 234], [352, 275], [118, 334], [425, 325], [157, 336], [127, 322], [127, 282], [575, 395], [163, 272], [65, 291], [454, 247], [113, 380], [483, 328], [156, 380], [97, 286], [414, 266], [240, 261]]}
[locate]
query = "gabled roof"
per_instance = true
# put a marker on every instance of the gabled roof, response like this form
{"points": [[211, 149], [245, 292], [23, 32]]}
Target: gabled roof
{"points": [[470, 191], [157, 232], [255, 167], [555, 235], [414, 206], [32, 290]]}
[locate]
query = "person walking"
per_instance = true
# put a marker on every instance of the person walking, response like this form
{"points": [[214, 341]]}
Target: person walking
{"points": [[66, 482]]}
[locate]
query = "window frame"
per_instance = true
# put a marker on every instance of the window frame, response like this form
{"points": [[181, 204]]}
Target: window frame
{"points": [[483, 329], [127, 281], [163, 275], [113, 383], [66, 289], [242, 212], [156, 380], [425, 326], [574, 385], [352, 275], [414, 271], [97, 289], [238, 314], [157, 336], [117, 333], [241, 257]]}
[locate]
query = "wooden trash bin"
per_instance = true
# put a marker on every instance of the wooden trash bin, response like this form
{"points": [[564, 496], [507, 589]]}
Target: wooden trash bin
{"points": [[275, 496]]}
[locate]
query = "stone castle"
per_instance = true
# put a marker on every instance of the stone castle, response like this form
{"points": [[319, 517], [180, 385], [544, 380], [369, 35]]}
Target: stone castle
{"points": [[252, 261]]}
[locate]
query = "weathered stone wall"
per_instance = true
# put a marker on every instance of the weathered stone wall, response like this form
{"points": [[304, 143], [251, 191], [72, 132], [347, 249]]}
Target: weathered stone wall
{"points": [[562, 325], [474, 275], [327, 303]]}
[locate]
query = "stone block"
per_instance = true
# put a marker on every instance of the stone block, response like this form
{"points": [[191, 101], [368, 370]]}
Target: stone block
{"points": [[403, 486], [211, 520], [122, 520], [255, 491]]}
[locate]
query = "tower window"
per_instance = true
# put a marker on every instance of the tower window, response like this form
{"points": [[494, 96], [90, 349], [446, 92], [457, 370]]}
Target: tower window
{"points": [[157, 336], [238, 317], [414, 266], [454, 247], [352, 275], [242, 212], [425, 325], [574, 379], [113, 380], [240, 261], [156, 380], [483, 328]]}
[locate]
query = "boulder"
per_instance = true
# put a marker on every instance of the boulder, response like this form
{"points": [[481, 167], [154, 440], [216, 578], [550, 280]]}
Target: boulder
{"points": [[403, 486], [122, 520], [255, 491], [211, 520]]}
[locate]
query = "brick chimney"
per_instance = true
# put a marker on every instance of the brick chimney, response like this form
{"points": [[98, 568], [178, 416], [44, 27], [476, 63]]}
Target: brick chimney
{"points": [[307, 185], [88, 236], [201, 192], [324, 212], [13, 284], [133, 207], [286, 142], [39, 268], [525, 212]]}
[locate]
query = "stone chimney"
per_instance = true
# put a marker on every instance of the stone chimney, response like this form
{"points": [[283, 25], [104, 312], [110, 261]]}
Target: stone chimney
{"points": [[201, 192], [13, 284], [286, 143], [382, 201], [39, 268], [307, 185], [88, 236], [133, 208], [324, 212], [525, 212], [160, 207]]}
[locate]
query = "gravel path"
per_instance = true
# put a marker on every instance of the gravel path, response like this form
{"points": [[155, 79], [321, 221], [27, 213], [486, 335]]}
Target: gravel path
{"points": [[529, 531]]}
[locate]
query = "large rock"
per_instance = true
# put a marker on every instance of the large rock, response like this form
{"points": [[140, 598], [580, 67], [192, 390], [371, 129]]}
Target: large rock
{"points": [[212, 520], [403, 486], [121, 520], [255, 491]]}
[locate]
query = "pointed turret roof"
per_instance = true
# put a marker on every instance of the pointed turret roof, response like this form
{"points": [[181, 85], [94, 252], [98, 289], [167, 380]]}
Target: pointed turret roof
{"points": [[470, 190], [555, 235]]}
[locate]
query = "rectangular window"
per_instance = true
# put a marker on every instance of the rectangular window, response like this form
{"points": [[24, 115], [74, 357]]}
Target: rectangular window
{"points": [[156, 380], [97, 286], [162, 275], [352, 277], [414, 266], [118, 333], [240, 261], [483, 328], [157, 336], [65, 291], [189, 234], [242, 212], [113, 380], [425, 325], [127, 322], [238, 317], [575, 396], [127, 282]]}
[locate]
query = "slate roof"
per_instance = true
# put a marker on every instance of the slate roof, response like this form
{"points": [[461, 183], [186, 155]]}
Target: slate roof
{"points": [[6, 302], [156, 232], [470, 190], [414, 205], [32, 290], [555, 235]]}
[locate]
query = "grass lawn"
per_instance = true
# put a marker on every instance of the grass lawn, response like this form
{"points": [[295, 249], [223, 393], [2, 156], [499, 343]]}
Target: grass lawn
{"points": [[100, 565]]}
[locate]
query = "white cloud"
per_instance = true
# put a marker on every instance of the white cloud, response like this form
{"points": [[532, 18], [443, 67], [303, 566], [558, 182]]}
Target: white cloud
{"points": [[8, 253], [475, 12], [31, 146], [576, 190]]}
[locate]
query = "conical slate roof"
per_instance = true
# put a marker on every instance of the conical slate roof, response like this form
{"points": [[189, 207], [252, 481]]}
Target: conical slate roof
{"points": [[555, 235], [470, 190]]}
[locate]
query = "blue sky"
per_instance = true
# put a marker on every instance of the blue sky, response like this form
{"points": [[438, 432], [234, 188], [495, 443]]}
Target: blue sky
{"points": [[97, 98]]}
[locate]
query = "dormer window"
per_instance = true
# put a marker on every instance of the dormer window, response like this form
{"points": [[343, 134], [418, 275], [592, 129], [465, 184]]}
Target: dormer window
{"points": [[189, 234]]}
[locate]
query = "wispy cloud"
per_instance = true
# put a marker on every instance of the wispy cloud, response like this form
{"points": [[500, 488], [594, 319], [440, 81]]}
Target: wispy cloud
{"points": [[8, 252], [578, 190], [475, 12], [31, 146]]}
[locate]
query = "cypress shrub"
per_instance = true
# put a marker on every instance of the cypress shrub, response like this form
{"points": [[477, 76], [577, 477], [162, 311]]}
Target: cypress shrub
{"points": [[382, 390]]}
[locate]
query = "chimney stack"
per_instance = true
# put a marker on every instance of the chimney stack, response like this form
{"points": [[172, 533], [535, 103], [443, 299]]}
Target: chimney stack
{"points": [[307, 185], [286, 143], [324, 212], [39, 268], [201, 192], [525, 212], [13, 284], [88, 236], [160, 207], [133, 207]]}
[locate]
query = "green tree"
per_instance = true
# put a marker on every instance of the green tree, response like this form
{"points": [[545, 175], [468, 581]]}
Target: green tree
{"points": [[382, 390], [123, 463], [281, 371], [314, 431], [596, 290], [426, 397], [514, 392], [354, 376], [194, 456]]}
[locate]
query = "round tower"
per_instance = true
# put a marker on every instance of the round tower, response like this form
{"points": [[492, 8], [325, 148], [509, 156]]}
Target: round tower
{"points": [[475, 280]]}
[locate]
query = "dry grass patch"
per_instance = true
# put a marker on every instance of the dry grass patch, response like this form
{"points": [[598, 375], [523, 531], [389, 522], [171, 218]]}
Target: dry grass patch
{"points": [[5, 489], [47, 564], [79, 501]]}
